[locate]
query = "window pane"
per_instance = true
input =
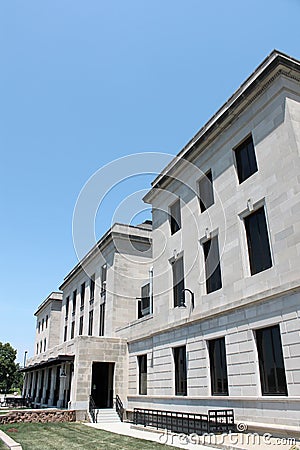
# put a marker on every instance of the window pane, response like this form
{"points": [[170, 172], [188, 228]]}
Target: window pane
{"points": [[245, 160], [178, 281], [142, 361], [91, 316], [180, 370], [271, 364], [92, 287], [212, 265], [175, 219], [258, 241], [218, 367], [206, 192]]}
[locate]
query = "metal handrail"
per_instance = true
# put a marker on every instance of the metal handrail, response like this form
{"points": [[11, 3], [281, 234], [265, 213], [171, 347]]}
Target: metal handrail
{"points": [[120, 408], [216, 421]]}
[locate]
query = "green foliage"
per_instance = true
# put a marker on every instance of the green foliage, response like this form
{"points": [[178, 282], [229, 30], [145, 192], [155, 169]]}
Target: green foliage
{"points": [[10, 376]]}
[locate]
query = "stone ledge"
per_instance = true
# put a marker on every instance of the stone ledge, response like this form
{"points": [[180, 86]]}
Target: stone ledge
{"points": [[9, 442]]}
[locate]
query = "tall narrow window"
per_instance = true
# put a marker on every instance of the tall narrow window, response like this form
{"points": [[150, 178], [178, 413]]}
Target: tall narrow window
{"points": [[47, 318], [65, 333], [80, 326], [258, 241], [103, 280], [175, 217], [245, 159], [271, 364], [67, 306], [82, 295], [74, 302], [145, 300], [178, 281], [92, 288], [212, 265], [45, 344], [39, 327], [142, 362], [91, 316], [72, 329], [180, 370], [206, 192], [43, 320], [102, 319], [218, 367]]}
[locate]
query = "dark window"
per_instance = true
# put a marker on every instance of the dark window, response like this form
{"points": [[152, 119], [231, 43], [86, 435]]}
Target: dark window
{"points": [[245, 159], [145, 299], [65, 333], [142, 361], [37, 348], [39, 327], [258, 241], [45, 344], [46, 321], [74, 302], [103, 280], [91, 316], [67, 306], [41, 346], [178, 281], [82, 294], [175, 217], [218, 367], [43, 324], [206, 192], [80, 326], [92, 287], [271, 364], [102, 318], [212, 265], [72, 329], [180, 370]]}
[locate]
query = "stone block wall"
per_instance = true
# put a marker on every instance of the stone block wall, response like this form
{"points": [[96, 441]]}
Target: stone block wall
{"points": [[38, 416]]}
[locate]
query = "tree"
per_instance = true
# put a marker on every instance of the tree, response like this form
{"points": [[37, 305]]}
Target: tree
{"points": [[10, 376]]}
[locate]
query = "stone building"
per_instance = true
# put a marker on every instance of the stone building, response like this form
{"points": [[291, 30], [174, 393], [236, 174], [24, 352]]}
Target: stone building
{"points": [[100, 294], [219, 323]]}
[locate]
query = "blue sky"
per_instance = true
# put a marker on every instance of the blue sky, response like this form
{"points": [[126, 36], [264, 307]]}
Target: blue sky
{"points": [[84, 83]]}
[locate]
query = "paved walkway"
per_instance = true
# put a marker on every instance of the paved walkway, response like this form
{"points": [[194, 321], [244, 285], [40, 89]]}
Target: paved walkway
{"points": [[246, 441]]}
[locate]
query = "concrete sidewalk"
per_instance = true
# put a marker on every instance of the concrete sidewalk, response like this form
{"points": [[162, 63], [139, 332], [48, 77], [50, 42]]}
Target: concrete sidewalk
{"points": [[127, 429], [239, 441]]}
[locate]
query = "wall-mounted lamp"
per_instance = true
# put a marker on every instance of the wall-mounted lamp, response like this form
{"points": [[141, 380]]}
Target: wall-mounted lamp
{"points": [[182, 299], [62, 372], [250, 204], [207, 233]]}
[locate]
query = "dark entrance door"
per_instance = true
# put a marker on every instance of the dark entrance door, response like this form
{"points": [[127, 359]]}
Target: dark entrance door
{"points": [[102, 384]]}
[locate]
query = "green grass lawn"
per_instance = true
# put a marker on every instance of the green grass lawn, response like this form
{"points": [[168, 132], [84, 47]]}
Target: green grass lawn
{"points": [[69, 436]]}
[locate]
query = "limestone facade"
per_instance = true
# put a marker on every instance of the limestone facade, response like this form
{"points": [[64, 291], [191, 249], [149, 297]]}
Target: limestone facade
{"points": [[223, 273]]}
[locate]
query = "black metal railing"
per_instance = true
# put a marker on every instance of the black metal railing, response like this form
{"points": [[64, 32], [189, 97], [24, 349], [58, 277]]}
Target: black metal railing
{"points": [[216, 421], [92, 408], [119, 408]]}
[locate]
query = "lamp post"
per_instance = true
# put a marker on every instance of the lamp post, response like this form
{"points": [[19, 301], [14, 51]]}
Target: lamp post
{"points": [[25, 355], [182, 300]]}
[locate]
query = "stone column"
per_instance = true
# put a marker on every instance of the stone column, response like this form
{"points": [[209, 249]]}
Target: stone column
{"points": [[25, 385], [44, 393], [32, 392], [39, 375], [60, 403], [52, 387]]}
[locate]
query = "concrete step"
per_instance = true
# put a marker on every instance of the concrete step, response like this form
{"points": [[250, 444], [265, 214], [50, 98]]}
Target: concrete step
{"points": [[107, 415]]}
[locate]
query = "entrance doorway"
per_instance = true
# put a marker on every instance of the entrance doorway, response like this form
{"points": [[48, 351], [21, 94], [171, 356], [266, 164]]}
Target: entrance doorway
{"points": [[103, 384]]}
